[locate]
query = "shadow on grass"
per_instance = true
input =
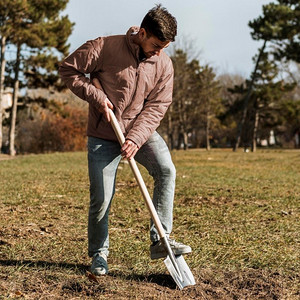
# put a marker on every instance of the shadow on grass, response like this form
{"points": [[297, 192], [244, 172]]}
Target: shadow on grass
{"points": [[44, 264], [160, 279]]}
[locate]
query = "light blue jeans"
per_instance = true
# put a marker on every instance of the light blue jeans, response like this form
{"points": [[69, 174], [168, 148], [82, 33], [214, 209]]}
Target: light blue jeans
{"points": [[103, 160]]}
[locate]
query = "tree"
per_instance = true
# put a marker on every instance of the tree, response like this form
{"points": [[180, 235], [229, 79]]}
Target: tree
{"points": [[280, 24], [10, 13], [263, 102], [180, 108], [2, 70], [40, 35], [181, 96], [247, 98], [290, 110], [209, 92], [231, 103], [268, 91], [184, 108], [195, 99]]}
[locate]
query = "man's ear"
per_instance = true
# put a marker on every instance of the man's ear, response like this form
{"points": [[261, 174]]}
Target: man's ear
{"points": [[142, 33]]}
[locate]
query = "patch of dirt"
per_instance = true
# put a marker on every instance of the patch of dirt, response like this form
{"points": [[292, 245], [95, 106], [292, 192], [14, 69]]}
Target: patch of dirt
{"points": [[211, 284], [246, 284]]}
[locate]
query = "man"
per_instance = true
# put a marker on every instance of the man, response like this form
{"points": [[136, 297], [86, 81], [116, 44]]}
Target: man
{"points": [[136, 79]]}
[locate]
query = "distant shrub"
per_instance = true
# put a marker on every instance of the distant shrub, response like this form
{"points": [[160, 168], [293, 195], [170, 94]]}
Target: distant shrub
{"points": [[54, 131]]}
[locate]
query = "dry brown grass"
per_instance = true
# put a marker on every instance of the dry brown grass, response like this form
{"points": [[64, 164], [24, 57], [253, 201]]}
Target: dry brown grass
{"points": [[238, 211]]}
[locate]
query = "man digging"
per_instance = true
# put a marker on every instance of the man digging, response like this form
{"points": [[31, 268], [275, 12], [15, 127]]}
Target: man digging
{"points": [[136, 78]]}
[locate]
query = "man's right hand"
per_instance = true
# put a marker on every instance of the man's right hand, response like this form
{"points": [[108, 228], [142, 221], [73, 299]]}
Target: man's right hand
{"points": [[105, 106]]}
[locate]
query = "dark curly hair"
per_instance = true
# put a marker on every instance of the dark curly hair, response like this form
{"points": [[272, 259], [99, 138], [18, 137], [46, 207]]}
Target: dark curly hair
{"points": [[160, 23]]}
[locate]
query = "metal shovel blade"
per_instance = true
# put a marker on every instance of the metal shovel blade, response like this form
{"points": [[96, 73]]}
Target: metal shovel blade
{"points": [[185, 277]]}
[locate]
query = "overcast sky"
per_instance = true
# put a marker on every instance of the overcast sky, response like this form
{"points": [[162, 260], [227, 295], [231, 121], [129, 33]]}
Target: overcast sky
{"points": [[218, 29]]}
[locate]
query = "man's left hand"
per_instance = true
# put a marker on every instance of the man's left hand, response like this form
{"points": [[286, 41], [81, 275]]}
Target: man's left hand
{"points": [[129, 149]]}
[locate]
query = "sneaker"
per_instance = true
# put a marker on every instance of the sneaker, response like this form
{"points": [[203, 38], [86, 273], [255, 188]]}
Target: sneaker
{"points": [[99, 264], [157, 249]]}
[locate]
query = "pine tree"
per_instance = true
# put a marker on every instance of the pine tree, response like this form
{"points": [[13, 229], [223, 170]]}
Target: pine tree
{"points": [[263, 99], [280, 25]]}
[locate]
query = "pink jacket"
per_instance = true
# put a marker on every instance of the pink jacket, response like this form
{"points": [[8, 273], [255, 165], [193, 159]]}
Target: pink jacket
{"points": [[141, 92]]}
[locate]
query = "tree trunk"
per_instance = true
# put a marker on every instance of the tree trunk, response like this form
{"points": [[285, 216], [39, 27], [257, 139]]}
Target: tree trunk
{"points": [[2, 70], [170, 130], [196, 138], [256, 121], [247, 97], [185, 140], [182, 133], [13, 117], [180, 139], [297, 139], [208, 126]]}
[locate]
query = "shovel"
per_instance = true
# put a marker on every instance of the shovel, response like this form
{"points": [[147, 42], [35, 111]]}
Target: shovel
{"points": [[176, 265]]}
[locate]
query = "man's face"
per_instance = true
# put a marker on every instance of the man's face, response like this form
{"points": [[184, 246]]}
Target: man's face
{"points": [[152, 45]]}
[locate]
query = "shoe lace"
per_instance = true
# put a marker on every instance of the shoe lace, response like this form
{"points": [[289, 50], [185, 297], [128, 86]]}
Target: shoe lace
{"points": [[99, 257]]}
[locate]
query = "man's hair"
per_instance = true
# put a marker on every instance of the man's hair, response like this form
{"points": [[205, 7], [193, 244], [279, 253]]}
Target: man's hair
{"points": [[160, 23]]}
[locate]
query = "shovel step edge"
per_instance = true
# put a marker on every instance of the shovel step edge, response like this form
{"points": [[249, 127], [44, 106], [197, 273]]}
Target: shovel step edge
{"points": [[186, 277]]}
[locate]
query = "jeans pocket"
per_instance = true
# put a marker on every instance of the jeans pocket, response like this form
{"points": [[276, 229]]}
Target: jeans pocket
{"points": [[93, 144], [103, 148]]}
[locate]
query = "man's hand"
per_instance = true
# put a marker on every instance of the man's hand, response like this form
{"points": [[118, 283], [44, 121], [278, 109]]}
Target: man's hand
{"points": [[129, 149], [105, 106]]}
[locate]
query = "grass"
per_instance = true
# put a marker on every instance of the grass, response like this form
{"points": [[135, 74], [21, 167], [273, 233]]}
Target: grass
{"points": [[239, 212]]}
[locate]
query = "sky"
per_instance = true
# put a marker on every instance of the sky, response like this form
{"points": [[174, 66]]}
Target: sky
{"points": [[216, 30]]}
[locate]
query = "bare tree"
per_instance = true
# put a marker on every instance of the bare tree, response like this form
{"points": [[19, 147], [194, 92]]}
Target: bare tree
{"points": [[247, 98], [2, 70], [13, 116]]}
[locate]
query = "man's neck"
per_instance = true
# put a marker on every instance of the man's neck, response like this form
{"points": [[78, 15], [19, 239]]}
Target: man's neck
{"points": [[142, 55]]}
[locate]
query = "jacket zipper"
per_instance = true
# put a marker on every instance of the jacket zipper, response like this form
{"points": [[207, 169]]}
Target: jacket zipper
{"points": [[135, 88]]}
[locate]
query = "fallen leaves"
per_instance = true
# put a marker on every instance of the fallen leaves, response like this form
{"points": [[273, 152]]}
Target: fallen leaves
{"points": [[91, 277]]}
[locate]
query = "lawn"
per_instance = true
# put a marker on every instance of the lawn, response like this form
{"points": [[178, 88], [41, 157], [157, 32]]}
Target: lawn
{"points": [[238, 211]]}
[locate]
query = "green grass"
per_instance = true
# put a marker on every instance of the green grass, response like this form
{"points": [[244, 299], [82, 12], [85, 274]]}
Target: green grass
{"points": [[239, 212]]}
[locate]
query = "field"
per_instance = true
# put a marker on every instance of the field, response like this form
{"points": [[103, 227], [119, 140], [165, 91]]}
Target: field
{"points": [[238, 211]]}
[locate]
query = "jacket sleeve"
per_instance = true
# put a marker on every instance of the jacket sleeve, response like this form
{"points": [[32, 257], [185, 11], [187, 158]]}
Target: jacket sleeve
{"points": [[85, 60], [154, 109]]}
